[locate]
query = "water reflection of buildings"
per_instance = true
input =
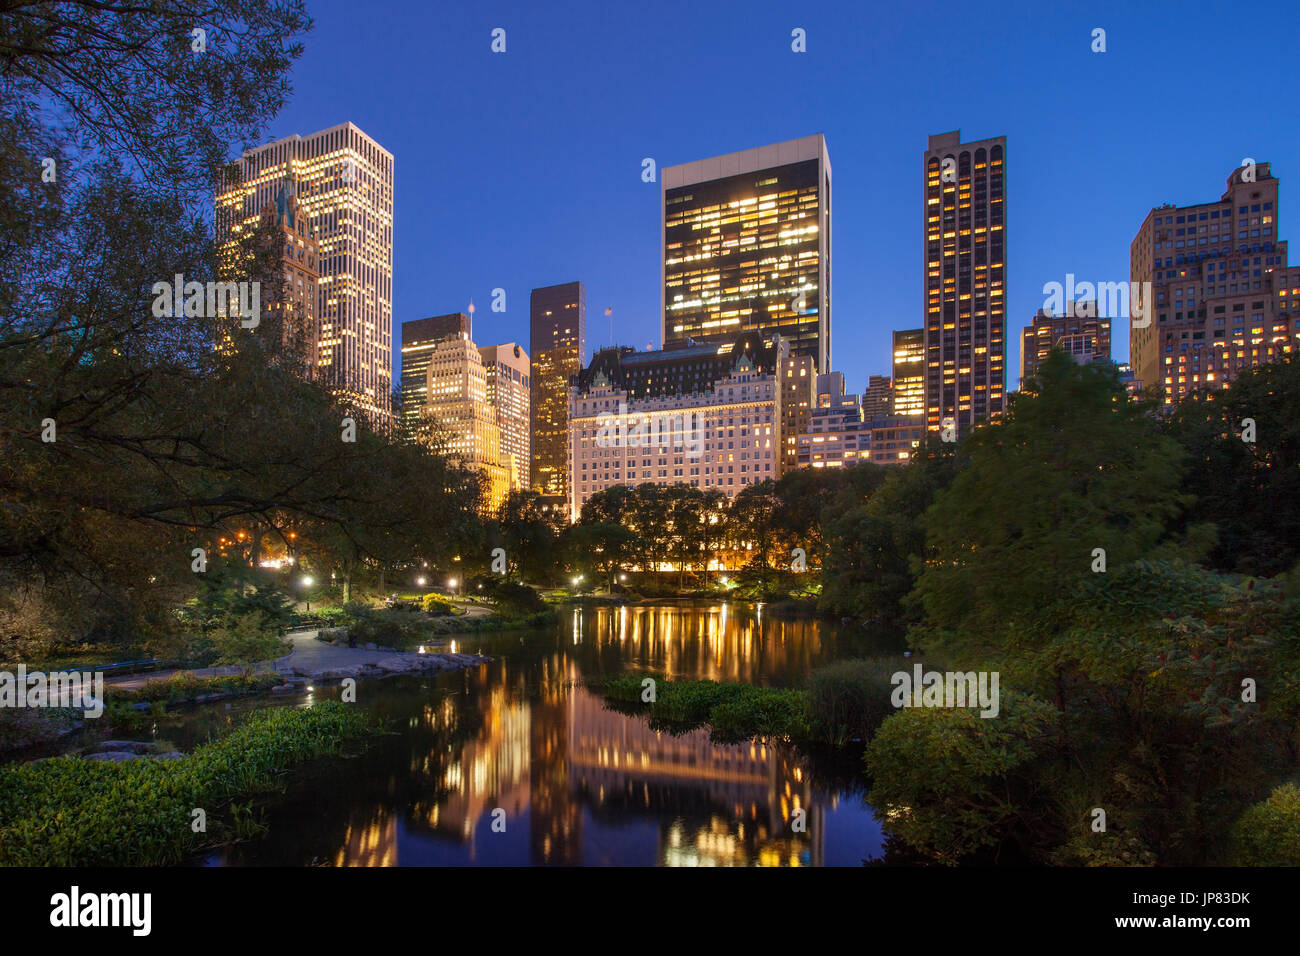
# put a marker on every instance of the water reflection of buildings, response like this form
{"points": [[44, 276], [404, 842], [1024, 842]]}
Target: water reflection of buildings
{"points": [[549, 751], [734, 804], [727, 643]]}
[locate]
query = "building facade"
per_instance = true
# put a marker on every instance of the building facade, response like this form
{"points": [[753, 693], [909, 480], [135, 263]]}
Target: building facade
{"points": [[557, 324], [963, 258], [293, 306], [878, 399], [704, 415], [458, 418], [343, 182], [895, 438], [1081, 333], [909, 374], [747, 246], [1224, 295], [419, 338], [508, 391], [798, 387], [836, 435]]}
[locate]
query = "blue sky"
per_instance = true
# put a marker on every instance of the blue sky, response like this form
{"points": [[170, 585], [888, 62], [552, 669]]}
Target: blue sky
{"points": [[523, 169]]}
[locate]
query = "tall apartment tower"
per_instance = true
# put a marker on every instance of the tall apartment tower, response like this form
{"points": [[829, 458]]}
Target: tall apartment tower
{"points": [[419, 338], [747, 246], [343, 182], [798, 381], [878, 399], [557, 335], [909, 374], [508, 391], [1225, 298], [963, 255]]}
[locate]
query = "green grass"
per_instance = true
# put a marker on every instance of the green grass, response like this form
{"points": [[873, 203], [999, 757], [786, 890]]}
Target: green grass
{"points": [[842, 701], [185, 687], [733, 711], [70, 812]]}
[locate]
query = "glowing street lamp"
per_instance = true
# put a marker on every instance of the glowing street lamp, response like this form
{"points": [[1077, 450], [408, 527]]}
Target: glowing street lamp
{"points": [[307, 582]]}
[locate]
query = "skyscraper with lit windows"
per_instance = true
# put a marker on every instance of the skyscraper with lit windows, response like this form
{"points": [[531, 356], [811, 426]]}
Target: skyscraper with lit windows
{"points": [[557, 319], [909, 373], [343, 183], [747, 246], [963, 257], [1225, 296]]}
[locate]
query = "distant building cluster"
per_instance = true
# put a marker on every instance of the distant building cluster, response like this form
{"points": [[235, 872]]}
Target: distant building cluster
{"points": [[743, 389]]}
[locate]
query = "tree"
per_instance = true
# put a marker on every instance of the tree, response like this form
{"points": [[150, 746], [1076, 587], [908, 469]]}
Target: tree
{"points": [[751, 527], [139, 440], [601, 547], [531, 541], [875, 538], [684, 520], [1076, 474], [1250, 491]]}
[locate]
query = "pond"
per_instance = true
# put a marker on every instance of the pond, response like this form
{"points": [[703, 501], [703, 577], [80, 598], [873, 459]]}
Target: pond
{"points": [[518, 763]]}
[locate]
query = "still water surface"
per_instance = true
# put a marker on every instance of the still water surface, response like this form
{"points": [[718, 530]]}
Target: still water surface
{"points": [[578, 783]]}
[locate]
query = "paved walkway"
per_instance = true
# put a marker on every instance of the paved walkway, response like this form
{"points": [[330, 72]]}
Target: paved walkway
{"points": [[136, 681], [308, 657], [312, 656]]}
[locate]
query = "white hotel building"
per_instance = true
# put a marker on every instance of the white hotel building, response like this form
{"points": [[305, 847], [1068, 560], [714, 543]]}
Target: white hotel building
{"points": [[707, 415]]}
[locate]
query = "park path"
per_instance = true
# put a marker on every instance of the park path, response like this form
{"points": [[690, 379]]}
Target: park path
{"points": [[309, 657]]}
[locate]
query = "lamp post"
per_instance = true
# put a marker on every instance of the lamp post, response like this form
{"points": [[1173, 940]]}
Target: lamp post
{"points": [[306, 594]]}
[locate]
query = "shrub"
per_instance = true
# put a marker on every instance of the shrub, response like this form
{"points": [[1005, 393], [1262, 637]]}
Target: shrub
{"points": [[849, 699], [514, 598], [436, 605], [71, 812], [1268, 833], [948, 781], [248, 638]]}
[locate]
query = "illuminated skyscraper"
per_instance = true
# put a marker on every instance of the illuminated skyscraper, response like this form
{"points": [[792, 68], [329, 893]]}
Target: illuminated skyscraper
{"points": [[963, 255], [558, 343], [909, 373], [747, 246], [419, 338], [459, 419], [508, 389], [343, 182]]}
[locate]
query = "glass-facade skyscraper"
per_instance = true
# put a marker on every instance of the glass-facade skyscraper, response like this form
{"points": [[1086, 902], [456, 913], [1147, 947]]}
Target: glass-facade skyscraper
{"points": [[747, 246]]}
